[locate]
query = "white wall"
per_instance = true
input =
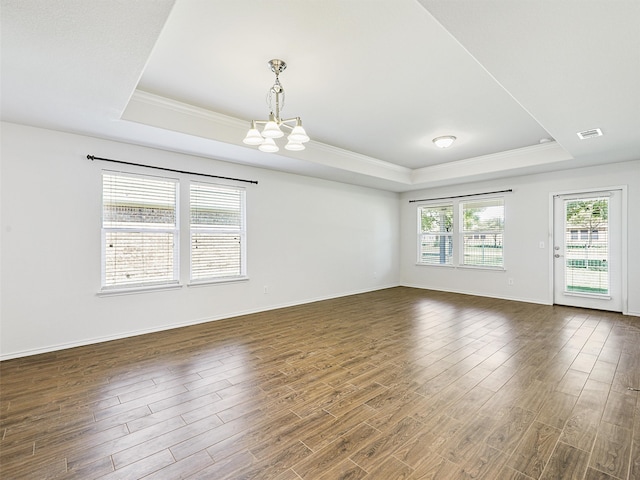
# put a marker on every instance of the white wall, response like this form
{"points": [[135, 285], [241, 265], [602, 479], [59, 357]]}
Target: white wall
{"points": [[527, 211], [308, 239]]}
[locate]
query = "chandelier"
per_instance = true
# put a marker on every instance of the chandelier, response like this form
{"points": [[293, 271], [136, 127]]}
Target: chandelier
{"points": [[272, 127]]}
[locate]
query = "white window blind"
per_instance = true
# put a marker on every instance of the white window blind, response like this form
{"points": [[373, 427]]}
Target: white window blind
{"points": [[139, 230], [435, 234], [218, 237], [482, 232]]}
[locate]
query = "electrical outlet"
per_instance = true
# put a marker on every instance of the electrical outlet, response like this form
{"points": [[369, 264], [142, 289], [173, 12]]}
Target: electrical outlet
{"points": [[510, 281]]}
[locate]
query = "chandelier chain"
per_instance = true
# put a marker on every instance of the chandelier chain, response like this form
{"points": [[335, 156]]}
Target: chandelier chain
{"points": [[276, 88]]}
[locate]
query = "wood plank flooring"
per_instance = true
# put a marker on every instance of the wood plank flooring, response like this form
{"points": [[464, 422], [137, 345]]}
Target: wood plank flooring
{"points": [[396, 384]]}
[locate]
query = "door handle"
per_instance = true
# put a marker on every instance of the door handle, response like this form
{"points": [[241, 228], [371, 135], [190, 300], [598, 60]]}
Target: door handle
{"points": [[557, 255]]}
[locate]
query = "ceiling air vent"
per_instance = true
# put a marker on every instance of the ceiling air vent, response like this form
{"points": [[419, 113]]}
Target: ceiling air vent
{"points": [[594, 132]]}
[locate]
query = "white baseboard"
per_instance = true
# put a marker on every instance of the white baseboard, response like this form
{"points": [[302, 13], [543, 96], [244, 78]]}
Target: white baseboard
{"points": [[134, 333], [477, 294], [515, 299]]}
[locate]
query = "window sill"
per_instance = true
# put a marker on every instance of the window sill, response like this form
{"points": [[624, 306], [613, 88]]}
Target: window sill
{"points": [[480, 267], [439, 265], [464, 267], [204, 283], [135, 290]]}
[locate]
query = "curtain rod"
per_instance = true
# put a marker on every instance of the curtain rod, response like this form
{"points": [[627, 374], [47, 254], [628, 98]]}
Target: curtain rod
{"points": [[92, 157], [460, 196]]}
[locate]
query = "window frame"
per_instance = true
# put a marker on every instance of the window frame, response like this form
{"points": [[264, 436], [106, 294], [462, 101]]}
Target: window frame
{"points": [[241, 232], [458, 231], [174, 231], [447, 234], [479, 234]]}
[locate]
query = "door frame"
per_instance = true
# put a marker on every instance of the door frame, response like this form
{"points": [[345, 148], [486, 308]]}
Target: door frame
{"points": [[623, 232]]}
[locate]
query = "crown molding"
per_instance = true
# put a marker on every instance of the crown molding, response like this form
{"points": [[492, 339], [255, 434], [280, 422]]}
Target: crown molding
{"points": [[330, 149], [155, 110], [182, 108], [508, 160], [192, 110], [168, 114]]}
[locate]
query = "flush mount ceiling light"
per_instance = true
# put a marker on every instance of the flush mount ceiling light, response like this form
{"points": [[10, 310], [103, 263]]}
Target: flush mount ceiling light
{"points": [[445, 141], [272, 127]]}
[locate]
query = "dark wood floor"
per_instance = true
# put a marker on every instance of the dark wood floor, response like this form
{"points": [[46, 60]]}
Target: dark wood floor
{"points": [[400, 383]]}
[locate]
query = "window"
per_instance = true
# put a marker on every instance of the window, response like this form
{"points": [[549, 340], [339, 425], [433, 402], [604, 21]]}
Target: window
{"points": [[218, 236], [482, 232], [466, 232], [436, 234], [139, 230]]}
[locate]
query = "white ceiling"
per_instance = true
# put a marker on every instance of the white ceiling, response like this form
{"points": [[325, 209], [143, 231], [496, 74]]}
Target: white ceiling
{"points": [[373, 80]]}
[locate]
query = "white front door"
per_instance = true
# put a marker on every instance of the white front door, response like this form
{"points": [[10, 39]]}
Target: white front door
{"points": [[587, 250]]}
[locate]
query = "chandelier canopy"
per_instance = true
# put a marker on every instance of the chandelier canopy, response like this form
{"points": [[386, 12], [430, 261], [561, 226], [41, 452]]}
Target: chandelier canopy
{"points": [[273, 126]]}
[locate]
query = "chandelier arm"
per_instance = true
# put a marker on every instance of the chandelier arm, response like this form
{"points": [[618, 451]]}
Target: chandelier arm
{"points": [[281, 122], [285, 123]]}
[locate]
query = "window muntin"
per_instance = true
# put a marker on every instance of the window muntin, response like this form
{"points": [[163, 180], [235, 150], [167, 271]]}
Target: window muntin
{"points": [[482, 232], [435, 242], [139, 230], [217, 230]]}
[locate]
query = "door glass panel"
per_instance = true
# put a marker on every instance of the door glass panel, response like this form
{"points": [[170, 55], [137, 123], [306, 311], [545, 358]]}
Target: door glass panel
{"points": [[587, 246]]}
